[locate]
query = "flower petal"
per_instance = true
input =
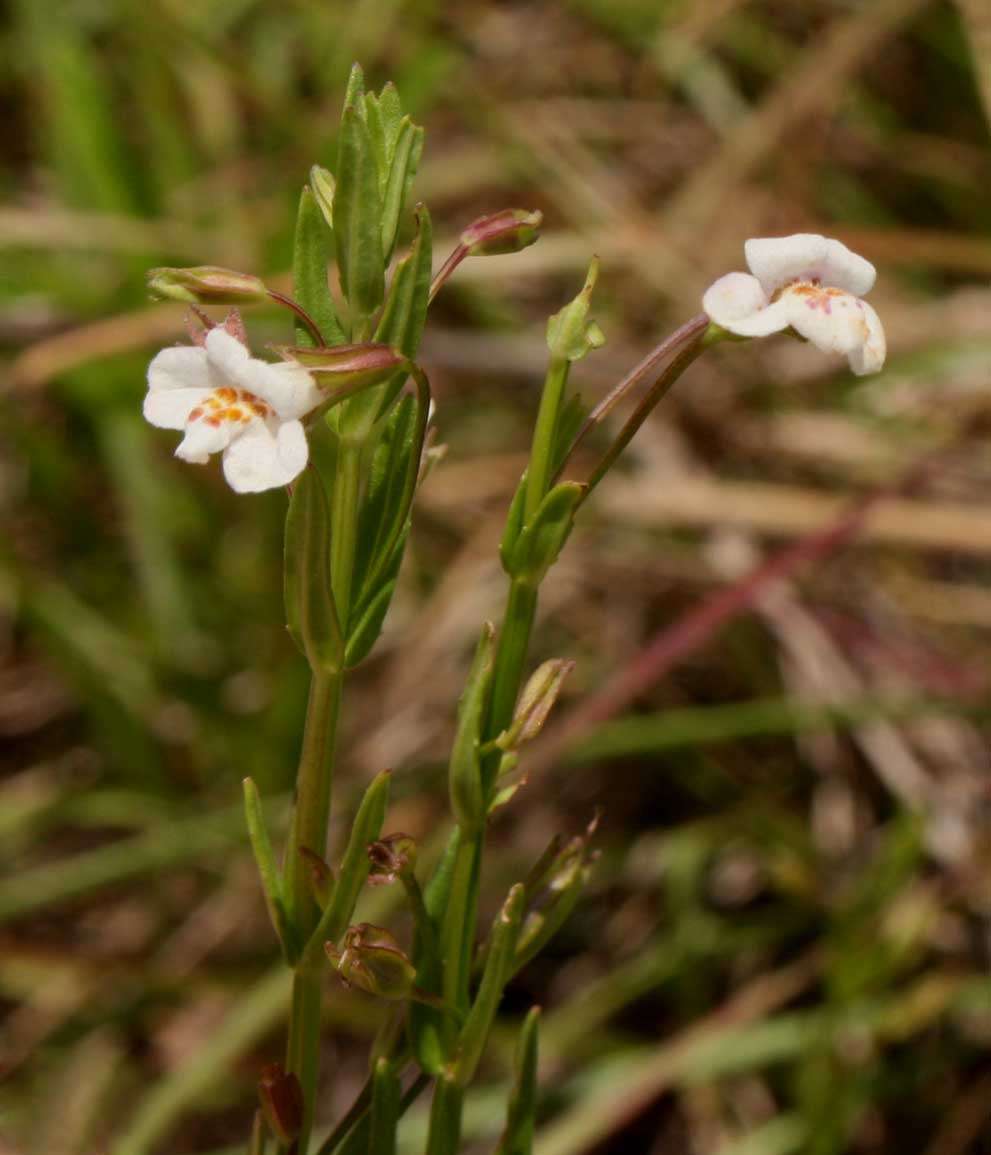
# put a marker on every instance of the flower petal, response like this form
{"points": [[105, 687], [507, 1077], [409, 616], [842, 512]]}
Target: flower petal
{"points": [[226, 354], [848, 270], [287, 387], [773, 319], [170, 408], [837, 322], [181, 367], [869, 357], [203, 438], [266, 455], [776, 261], [733, 297]]}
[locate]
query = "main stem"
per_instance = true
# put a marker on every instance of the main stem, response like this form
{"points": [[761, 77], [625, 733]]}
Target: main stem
{"points": [[313, 796]]}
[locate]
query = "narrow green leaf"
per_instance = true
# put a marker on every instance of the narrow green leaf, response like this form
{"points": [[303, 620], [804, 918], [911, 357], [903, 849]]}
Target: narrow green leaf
{"points": [[355, 91], [366, 630], [311, 257], [465, 770], [354, 868], [310, 612], [517, 1139], [385, 1109], [538, 545], [426, 1025], [514, 525], [267, 870], [569, 421], [384, 113], [357, 217], [405, 312], [400, 176], [498, 970], [380, 508], [444, 1135]]}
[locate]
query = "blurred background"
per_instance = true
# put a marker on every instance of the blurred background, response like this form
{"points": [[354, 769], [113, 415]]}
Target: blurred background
{"points": [[785, 944]]}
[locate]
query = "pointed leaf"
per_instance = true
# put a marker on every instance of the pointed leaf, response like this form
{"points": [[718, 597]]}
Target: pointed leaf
{"points": [[498, 970], [538, 545], [311, 256], [354, 868], [357, 216], [268, 872], [465, 770], [517, 1139], [310, 612], [385, 1109]]}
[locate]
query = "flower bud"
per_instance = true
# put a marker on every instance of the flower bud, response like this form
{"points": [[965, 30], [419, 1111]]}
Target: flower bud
{"points": [[391, 857], [347, 369], [570, 334], [323, 187], [206, 285], [372, 961], [281, 1099], [507, 231], [535, 704]]}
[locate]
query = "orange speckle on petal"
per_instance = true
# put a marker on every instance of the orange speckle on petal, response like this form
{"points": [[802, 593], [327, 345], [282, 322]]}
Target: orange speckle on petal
{"points": [[195, 414], [225, 393]]}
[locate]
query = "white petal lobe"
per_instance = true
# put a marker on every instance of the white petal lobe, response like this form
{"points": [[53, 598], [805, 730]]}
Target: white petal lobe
{"points": [[169, 408], [181, 367], [732, 297], [265, 456], [775, 261]]}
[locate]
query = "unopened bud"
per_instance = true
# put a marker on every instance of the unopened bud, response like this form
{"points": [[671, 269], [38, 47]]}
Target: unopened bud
{"points": [[281, 1099], [206, 285], [391, 857], [570, 334], [535, 704], [347, 368], [507, 231], [323, 187], [373, 961]]}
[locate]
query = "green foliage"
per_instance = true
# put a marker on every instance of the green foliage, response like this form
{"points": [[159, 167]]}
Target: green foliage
{"points": [[465, 770], [311, 615]]}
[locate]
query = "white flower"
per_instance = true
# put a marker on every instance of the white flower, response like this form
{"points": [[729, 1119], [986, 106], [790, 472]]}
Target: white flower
{"points": [[226, 401], [809, 283]]}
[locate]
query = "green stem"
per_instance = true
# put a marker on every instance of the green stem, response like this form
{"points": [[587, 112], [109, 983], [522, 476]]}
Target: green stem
{"points": [[646, 405], [545, 436], [313, 796], [344, 525]]}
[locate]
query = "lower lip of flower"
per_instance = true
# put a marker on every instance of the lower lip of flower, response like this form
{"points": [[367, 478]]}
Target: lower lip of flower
{"points": [[224, 405]]}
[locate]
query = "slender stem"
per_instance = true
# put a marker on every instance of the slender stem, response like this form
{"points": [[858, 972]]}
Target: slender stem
{"points": [[545, 436], [446, 269], [639, 373], [310, 830], [313, 787], [311, 326], [644, 407], [314, 782]]}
